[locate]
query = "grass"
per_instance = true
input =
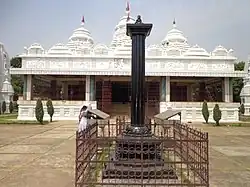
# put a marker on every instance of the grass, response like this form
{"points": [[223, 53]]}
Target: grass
{"points": [[233, 124], [20, 122], [8, 116], [11, 119]]}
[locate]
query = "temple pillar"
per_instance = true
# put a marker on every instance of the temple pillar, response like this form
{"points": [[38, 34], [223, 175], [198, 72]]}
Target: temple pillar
{"points": [[92, 88], [226, 90], [53, 84], [29, 87], [231, 92], [168, 89], [87, 88], [163, 89], [202, 88], [24, 87], [189, 92], [65, 90]]}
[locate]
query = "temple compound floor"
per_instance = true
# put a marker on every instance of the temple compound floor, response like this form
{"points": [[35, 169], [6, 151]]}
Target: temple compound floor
{"points": [[39, 156]]}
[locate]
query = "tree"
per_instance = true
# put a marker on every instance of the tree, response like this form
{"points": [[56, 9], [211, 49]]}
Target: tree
{"points": [[237, 82], [4, 107], [242, 109], [217, 114], [50, 109], [0, 108], [39, 111], [11, 107], [16, 80], [205, 111]]}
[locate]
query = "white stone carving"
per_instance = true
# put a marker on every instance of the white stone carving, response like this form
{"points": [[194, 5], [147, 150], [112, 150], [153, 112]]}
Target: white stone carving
{"points": [[174, 66], [81, 65], [58, 64], [36, 64], [220, 67], [118, 64], [197, 67]]}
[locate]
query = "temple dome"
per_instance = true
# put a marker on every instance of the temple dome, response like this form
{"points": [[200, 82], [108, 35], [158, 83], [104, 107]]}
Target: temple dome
{"points": [[196, 51], [80, 37], [35, 48], [59, 49], [220, 51], [120, 40], [174, 35], [175, 41], [101, 49]]}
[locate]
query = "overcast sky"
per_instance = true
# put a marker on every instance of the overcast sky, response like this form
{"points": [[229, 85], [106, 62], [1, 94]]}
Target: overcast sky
{"points": [[204, 22]]}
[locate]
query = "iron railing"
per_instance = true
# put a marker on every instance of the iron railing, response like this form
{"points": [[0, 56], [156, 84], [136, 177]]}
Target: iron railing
{"points": [[183, 151]]}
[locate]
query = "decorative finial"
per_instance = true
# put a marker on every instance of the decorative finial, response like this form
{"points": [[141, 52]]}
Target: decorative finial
{"points": [[83, 20], [174, 23], [138, 20], [128, 11]]}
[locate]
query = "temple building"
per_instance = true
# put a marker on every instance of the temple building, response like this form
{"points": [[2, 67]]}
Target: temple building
{"points": [[6, 90], [179, 75]]}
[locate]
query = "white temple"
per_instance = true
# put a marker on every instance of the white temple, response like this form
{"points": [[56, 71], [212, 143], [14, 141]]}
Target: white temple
{"points": [[80, 72], [6, 90]]}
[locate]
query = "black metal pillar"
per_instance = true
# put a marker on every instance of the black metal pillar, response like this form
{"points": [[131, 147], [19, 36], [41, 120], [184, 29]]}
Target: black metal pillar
{"points": [[138, 33]]}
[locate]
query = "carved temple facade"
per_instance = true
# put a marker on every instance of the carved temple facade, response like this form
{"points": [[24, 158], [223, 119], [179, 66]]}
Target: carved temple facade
{"points": [[80, 72]]}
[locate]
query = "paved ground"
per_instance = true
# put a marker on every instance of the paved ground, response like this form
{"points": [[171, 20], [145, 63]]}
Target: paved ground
{"points": [[43, 156]]}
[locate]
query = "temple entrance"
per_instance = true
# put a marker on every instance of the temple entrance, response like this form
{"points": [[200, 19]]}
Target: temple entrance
{"points": [[121, 92], [113, 96]]}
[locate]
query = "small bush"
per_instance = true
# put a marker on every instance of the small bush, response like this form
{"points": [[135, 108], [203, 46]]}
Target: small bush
{"points": [[50, 109], [205, 111], [217, 114], [39, 111], [4, 107], [11, 107], [15, 106], [242, 109]]}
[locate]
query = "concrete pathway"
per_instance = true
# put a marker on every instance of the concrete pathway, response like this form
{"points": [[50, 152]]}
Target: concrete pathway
{"points": [[37, 156], [43, 156]]}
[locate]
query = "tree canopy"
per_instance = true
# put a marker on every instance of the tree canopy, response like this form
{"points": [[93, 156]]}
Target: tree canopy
{"points": [[16, 80], [238, 82]]}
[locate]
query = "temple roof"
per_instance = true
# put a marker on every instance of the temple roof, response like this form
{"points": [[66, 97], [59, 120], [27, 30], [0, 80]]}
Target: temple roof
{"points": [[81, 43]]}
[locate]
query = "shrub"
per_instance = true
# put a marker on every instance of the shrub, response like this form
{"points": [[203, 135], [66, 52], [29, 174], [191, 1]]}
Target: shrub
{"points": [[0, 108], [217, 114], [205, 111], [15, 106], [11, 107], [242, 109], [39, 111], [50, 109], [4, 107]]}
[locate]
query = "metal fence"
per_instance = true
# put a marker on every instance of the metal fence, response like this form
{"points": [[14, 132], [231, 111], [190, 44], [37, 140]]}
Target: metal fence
{"points": [[180, 156]]}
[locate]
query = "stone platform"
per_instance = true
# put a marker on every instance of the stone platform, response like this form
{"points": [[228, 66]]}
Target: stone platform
{"points": [[137, 157]]}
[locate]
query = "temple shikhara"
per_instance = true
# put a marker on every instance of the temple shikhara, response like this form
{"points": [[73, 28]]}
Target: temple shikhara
{"points": [[179, 75]]}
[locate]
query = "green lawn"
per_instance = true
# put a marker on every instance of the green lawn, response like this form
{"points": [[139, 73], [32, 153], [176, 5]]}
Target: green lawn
{"points": [[232, 124], [12, 119]]}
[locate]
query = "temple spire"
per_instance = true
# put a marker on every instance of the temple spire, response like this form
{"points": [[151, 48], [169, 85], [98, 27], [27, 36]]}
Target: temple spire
{"points": [[128, 10], [83, 20], [174, 23]]}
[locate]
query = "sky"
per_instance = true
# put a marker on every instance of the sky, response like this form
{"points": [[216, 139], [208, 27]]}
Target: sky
{"points": [[207, 23]]}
